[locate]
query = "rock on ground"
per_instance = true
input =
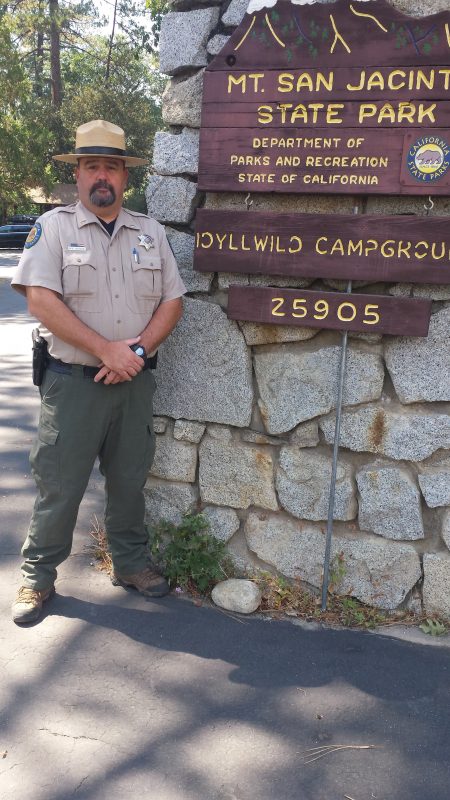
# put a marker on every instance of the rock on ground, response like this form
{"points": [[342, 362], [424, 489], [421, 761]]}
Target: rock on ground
{"points": [[237, 594]]}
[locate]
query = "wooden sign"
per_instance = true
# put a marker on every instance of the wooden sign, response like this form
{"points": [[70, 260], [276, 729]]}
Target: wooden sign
{"points": [[349, 97], [396, 248], [332, 310]]}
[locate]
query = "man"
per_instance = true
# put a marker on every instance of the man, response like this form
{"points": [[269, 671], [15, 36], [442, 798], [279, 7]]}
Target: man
{"points": [[104, 285]]}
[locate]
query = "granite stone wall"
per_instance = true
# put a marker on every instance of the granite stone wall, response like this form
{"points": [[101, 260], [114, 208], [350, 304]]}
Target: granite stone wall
{"points": [[245, 413]]}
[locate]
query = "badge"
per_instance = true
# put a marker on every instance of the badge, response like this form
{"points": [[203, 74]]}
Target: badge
{"points": [[33, 236], [76, 248], [146, 241]]}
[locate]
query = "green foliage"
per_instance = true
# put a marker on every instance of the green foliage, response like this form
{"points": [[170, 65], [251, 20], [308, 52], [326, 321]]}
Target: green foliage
{"points": [[33, 126], [292, 598], [190, 556], [22, 140], [356, 614], [132, 99], [157, 9], [135, 200], [434, 627]]}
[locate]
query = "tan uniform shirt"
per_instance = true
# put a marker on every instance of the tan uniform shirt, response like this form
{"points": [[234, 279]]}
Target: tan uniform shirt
{"points": [[112, 284]]}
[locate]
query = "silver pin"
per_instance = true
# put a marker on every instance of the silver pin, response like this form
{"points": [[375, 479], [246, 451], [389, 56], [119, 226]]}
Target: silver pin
{"points": [[146, 241]]}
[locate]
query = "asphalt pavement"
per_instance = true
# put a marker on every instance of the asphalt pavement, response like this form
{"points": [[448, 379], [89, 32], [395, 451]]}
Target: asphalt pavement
{"points": [[111, 696]]}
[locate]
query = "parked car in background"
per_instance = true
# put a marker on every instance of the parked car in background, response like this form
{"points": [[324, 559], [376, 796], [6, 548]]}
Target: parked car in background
{"points": [[14, 236], [21, 219]]}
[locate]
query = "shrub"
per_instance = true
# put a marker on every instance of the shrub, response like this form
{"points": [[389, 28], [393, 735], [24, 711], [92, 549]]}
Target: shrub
{"points": [[189, 555]]}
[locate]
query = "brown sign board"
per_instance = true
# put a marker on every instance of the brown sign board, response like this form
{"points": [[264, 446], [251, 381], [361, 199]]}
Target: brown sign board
{"points": [[243, 160], [331, 310], [372, 114], [344, 34], [350, 97], [376, 248]]}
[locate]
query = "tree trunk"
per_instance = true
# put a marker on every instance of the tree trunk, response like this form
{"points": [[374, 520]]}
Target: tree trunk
{"points": [[55, 53], [111, 44], [39, 64], [39, 54]]}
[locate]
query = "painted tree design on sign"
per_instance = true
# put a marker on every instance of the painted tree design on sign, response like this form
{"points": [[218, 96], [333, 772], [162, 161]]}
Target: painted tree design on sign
{"points": [[405, 36], [318, 31], [293, 27]]}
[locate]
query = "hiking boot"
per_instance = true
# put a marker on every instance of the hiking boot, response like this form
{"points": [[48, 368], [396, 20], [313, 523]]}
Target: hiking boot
{"points": [[147, 582], [27, 606]]}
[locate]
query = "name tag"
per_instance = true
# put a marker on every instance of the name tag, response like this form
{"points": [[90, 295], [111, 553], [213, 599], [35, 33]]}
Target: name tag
{"points": [[76, 248]]}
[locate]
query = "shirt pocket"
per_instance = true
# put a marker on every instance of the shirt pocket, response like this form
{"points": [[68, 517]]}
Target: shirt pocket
{"points": [[81, 282], [145, 289]]}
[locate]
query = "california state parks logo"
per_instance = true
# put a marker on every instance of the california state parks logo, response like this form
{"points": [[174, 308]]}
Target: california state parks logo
{"points": [[33, 236], [428, 158]]}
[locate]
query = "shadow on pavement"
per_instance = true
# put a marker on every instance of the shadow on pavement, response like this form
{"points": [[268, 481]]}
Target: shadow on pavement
{"points": [[198, 681]]}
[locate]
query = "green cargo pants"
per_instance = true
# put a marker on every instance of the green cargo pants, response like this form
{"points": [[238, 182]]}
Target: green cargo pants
{"points": [[79, 421]]}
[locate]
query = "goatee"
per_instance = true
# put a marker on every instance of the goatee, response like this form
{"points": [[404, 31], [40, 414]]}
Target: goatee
{"points": [[102, 200]]}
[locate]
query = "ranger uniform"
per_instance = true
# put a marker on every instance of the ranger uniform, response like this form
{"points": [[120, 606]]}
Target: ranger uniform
{"points": [[114, 276]]}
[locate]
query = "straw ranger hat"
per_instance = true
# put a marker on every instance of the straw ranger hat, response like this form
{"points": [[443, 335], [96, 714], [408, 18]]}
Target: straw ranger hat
{"points": [[100, 138]]}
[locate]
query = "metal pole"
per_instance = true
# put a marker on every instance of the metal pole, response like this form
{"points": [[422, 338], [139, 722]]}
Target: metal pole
{"points": [[337, 432]]}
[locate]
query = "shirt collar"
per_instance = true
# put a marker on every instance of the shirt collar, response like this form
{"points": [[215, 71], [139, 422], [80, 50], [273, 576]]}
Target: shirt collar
{"points": [[86, 217]]}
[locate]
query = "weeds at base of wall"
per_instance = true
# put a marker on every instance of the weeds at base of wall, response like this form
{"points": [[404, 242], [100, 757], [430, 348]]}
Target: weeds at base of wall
{"points": [[189, 555], [194, 561], [292, 599], [99, 549]]}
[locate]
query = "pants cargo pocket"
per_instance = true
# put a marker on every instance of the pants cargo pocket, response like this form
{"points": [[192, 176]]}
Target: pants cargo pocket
{"points": [[44, 458]]}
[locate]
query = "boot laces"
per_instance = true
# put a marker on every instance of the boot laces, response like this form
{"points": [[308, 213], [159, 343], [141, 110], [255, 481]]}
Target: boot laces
{"points": [[27, 595]]}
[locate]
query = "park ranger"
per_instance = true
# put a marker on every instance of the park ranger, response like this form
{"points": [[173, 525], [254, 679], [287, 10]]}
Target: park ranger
{"points": [[104, 285]]}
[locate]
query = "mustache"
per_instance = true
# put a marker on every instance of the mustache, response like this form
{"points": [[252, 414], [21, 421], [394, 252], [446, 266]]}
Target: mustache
{"points": [[102, 201], [102, 185]]}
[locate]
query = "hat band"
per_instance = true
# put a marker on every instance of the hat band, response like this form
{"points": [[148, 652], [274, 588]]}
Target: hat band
{"points": [[100, 151]]}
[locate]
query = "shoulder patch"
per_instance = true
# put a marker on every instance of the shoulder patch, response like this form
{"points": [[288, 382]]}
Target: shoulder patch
{"points": [[34, 235]]}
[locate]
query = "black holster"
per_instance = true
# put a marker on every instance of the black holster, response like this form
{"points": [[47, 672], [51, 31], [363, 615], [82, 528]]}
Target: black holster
{"points": [[39, 357]]}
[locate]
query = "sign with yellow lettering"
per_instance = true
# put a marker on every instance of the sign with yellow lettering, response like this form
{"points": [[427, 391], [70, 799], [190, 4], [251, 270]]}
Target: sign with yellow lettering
{"points": [[343, 97], [376, 248], [334, 310]]}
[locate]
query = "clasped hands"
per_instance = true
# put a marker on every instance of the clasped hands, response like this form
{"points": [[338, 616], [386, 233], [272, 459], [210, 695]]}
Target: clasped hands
{"points": [[119, 362]]}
